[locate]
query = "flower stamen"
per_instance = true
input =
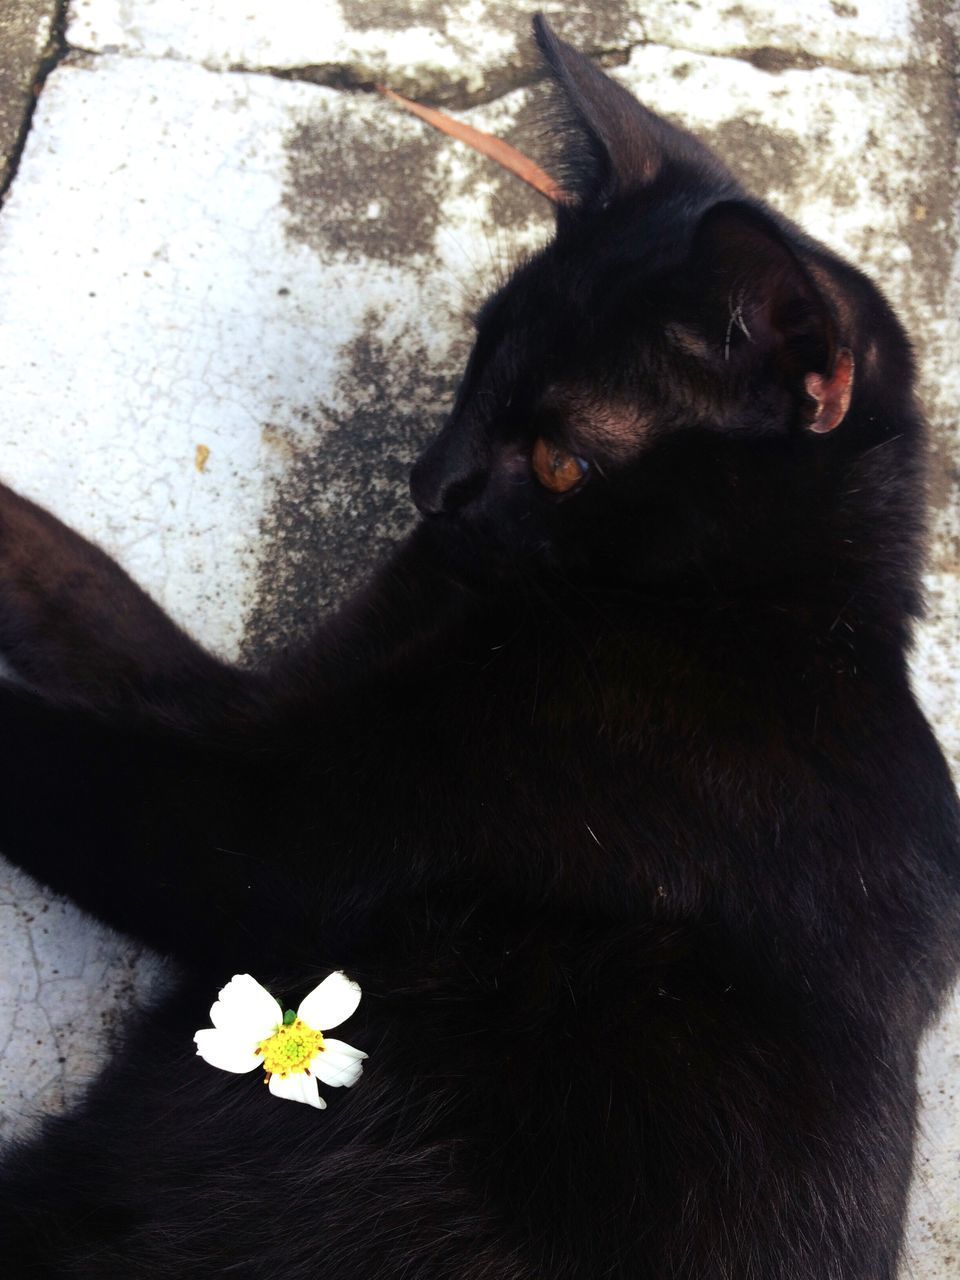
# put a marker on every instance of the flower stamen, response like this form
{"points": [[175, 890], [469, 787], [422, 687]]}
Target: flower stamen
{"points": [[290, 1050]]}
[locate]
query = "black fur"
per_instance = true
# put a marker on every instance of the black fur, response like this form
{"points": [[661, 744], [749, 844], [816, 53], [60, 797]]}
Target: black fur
{"points": [[616, 803]]}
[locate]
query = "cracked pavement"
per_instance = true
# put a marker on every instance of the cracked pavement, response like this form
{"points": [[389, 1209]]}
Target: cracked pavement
{"points": [[233, 294]]}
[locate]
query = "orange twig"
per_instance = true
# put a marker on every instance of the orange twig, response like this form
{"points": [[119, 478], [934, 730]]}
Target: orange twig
{"points": [[488, 145]]}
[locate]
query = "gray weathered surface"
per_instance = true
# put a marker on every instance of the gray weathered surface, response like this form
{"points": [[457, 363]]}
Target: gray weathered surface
{"points": [[208, 242], [28, 42]]}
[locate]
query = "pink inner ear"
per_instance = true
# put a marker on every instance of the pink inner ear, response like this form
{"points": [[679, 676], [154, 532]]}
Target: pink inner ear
{"points": [[832, 395]]}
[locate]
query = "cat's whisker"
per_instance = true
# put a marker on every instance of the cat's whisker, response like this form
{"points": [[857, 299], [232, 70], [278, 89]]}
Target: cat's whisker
{"points": [[593, 836], [884, 444], [473, 294]]}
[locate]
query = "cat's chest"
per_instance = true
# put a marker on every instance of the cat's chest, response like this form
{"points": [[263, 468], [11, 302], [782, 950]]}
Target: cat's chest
{"points": [[640, 772]]}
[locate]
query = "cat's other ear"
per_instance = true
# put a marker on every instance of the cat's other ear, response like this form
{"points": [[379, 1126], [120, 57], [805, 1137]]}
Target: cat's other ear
{"points": [[758, 304], [612, 145]]}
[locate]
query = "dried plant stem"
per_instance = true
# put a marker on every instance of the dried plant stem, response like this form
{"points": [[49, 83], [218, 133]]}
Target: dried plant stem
{"points": [[488, 145]]}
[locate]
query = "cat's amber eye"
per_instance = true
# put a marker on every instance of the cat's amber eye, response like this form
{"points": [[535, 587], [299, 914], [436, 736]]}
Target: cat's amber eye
{"points": [[557, 469]]}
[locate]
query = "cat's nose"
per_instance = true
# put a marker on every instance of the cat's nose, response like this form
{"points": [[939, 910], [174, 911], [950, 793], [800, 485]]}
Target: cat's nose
{"points": [[446, 479], [444, 498]]}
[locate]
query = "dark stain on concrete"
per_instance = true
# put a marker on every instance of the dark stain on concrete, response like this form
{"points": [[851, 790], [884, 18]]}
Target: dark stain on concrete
{"points": [[394, 15], [762, 158], [341, 502], [774, 61], [581, 22], [363, 184], [602, 32], [929, 228], [944, 480], [514, 204], [32, 45]]}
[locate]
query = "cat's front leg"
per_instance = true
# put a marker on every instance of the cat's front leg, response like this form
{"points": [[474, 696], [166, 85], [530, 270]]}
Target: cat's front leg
{"points": [[75, 625], [158, 787], [168, 835]]}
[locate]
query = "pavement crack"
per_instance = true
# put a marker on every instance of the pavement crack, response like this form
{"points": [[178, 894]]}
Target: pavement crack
{"points": [[461, 94], [775, 60], [452, 95], [57, 50], [360, 79]]}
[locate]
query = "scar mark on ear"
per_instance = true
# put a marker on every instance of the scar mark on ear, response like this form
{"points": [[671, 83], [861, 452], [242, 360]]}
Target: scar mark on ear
{"points": [[736, 318]]}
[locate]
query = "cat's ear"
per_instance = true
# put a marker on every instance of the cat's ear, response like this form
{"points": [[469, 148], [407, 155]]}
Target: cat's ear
{"points": [[758, 304], [612, 144]]}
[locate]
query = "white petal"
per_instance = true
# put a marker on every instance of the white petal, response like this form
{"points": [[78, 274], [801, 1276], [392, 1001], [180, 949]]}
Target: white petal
{"points": [[225, 1051], [246, 1010], [331, 1003], [338, 1063], [298, 1087]]}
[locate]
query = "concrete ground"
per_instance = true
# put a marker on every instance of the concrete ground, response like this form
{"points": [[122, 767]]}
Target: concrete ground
{"points": [[233, 290]]}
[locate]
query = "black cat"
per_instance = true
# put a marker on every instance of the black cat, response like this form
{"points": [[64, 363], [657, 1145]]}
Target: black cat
{"points": [[610, 792]]}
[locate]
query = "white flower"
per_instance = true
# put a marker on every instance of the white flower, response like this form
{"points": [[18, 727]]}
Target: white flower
{"points": [[251, 1030]]}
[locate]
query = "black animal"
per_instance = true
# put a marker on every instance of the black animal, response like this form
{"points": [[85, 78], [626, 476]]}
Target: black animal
{"points": [[609, 790]]}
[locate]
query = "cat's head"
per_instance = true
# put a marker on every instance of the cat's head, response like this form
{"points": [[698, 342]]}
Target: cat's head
{"points": [[681, 388]]}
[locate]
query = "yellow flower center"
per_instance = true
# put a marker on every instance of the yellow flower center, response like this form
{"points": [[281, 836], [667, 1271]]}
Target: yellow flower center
{"points": [[290, 1049]]}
